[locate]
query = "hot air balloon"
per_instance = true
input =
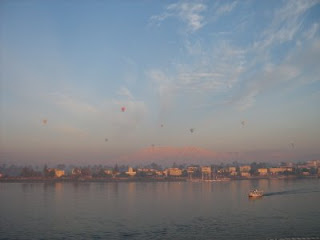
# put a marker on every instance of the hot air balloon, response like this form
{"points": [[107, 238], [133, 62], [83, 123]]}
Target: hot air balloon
{"points": [[123, 109], [44, 121]]}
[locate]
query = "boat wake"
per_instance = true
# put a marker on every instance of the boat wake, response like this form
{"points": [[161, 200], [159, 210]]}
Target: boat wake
{"points": [[291, 192]]}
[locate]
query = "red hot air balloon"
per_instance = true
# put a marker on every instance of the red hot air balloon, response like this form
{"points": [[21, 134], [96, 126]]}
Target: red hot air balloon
{"points": [[123, 109]]}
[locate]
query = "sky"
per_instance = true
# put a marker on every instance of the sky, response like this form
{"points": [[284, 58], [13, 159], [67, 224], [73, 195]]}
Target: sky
{"points": [[245, 75]]}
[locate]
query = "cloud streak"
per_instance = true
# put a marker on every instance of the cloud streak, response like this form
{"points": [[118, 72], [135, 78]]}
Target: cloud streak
{"points": [[225, 9], [291, 70], [208, 72], [218, 68], [286, 24], [124, 92], [189, 13]]}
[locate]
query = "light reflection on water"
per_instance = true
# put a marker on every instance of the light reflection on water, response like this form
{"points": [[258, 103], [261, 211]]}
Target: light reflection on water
{"points": [[159, 210]]}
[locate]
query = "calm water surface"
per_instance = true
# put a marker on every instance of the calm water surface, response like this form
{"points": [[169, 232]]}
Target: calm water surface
{"points": [[160, 210]]}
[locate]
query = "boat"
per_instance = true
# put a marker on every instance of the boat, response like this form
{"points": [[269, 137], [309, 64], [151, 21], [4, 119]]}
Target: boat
{"points": [[255, 193]]}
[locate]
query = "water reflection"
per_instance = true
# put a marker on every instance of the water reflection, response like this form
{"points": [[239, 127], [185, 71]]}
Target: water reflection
{"points": [[27, 187], [58, 187], [48, 186], [115, 188], [159, 210], [253, 199]]}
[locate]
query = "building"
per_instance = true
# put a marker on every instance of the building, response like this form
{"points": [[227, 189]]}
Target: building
{"points": [[108, 171], [279, 170], [263, 171], [275, 170], [76, 171], [245, 171], [232, 171], [147, 171], [130, 172], [303, 166], [245, 174], [175, 172], [159, 173], [206, 172], [288, 169], [191, 169], [57, 172], [313, 163], [245, 168]]}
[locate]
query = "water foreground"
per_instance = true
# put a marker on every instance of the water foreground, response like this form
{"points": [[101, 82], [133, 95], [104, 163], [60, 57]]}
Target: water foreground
{"points": [[160, 210]]}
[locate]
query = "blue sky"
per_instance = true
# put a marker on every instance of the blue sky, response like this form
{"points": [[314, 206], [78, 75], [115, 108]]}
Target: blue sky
{"points": [[207, 65]]}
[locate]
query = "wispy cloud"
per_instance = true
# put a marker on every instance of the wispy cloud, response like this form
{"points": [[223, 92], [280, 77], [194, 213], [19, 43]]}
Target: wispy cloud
{"points": [[190, 13], [287, 22], [218, 68], [210, 71], [285, 27], [225, 9], [124, 92], [264, 81], [291, 70], [310, 33]]}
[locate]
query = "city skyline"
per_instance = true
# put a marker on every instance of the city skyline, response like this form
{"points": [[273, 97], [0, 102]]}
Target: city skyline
{"points": [[101, 81]]}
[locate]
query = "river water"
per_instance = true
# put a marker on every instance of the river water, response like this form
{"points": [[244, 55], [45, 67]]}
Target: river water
{"points": [[160, 210]]}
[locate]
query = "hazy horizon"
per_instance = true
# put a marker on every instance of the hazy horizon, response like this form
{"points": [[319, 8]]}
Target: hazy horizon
{"points": [[102, 81]]}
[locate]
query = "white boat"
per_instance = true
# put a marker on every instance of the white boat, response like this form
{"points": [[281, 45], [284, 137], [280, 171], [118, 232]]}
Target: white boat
{"points": [[255, 193]]}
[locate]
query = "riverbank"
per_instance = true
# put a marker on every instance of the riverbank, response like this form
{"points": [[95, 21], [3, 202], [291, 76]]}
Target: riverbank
{"points": [[148, 179]]}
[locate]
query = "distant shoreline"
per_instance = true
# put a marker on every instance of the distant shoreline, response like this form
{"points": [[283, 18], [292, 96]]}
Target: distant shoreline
{"points": [[46, 180], [172, 179]]}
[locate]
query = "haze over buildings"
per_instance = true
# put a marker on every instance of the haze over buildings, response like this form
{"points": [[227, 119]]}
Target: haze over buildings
{"points": [[97, 81]]}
